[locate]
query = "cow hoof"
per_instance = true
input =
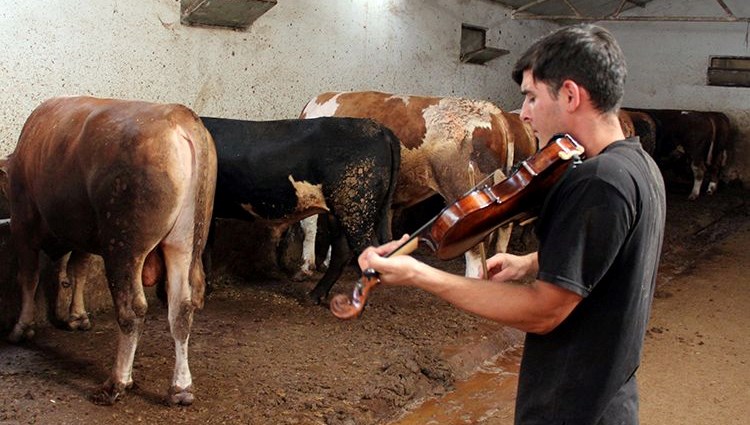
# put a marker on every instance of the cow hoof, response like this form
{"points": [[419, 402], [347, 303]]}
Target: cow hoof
{"points": [[108, 394], [313, 299], [21, 332], [181, 397], [692, 197], [302, 275], [79, 322], [323, 266]]}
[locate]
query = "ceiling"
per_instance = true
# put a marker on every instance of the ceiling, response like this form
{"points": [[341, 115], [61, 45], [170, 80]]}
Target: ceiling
{"points": [[570, 11]]}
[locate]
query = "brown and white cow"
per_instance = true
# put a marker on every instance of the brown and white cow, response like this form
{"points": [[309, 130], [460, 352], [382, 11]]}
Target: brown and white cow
{"points": [[440, 138], [132, 182], [703, 136]]}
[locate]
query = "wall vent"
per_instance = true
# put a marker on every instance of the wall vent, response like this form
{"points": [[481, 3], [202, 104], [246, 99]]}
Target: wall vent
{"points": [[732, 71], [474, 46], [238, 14]]}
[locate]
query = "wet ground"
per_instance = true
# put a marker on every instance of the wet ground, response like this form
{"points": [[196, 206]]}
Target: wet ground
{"points": [[259, 355]]}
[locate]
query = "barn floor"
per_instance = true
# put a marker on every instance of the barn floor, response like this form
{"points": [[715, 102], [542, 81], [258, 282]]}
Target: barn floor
{"points": [[259, 355]]}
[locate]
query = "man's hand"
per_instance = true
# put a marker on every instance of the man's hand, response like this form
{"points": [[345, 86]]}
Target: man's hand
{"points": [[505, 267], [398, 269]]}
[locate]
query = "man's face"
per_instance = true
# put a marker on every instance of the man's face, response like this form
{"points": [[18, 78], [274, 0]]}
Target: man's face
{"points": [[543, 112]]}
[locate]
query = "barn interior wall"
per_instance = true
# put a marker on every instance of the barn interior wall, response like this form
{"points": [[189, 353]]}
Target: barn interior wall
{"points": [[299, 48], [668, 61]]}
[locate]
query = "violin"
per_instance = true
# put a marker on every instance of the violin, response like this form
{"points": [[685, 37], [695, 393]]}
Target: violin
{"points": [[467, 222]]}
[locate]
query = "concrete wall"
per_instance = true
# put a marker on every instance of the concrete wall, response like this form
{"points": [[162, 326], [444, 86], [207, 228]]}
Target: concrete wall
{"points": [[667, 61], [126, 49], [299, 48]]}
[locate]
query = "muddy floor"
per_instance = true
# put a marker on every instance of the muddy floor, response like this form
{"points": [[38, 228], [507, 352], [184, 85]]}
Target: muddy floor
{"points": [[260, 355]]}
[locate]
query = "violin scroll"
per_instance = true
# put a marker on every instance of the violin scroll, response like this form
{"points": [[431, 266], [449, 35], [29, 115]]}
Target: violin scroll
{"points": [[344, 307]]}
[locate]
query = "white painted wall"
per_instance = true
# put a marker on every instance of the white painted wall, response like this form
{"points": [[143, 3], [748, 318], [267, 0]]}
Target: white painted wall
{"points": [[667, 61], [139, 50], [299, 48]]}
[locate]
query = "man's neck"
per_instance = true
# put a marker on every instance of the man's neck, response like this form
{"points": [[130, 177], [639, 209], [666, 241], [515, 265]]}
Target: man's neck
{"points": [[595, 132]]}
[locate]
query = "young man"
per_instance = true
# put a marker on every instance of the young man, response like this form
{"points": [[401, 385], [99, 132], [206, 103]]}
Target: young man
{"points": [[600, 236]]}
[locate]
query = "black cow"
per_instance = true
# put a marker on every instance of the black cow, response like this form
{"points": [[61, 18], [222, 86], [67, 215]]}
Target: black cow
{"points": [[284, 171]]}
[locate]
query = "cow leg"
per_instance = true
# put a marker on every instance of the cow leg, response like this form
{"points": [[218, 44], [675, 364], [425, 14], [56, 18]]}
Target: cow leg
{"points": [[61, 270], [77, 270], [715, 170], [327, 261], [206, 258], [180, 313], [473, 263], [124, 278], [699, 169], [712, 186], [309, 230], [503, 238], [322, 244], [341, 254], [28, 279], [474, 266]]}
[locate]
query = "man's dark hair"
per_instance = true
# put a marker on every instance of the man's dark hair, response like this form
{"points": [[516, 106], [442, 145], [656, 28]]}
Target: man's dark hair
{"points": [[587, 54]]}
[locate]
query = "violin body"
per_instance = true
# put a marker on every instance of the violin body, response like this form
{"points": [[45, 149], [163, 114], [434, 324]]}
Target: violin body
{"points": [[466, 222]]}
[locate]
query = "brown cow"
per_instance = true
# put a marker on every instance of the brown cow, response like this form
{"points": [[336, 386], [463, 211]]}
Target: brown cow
{"points": [[440, 138], [703, 137], [639, 124], [132, 182]]}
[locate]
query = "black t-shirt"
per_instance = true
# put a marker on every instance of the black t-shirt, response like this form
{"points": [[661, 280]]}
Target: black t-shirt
{"points": [[600, 235]]}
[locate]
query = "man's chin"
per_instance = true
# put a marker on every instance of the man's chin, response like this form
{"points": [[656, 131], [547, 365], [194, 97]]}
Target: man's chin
{"points": [[542, 140]]}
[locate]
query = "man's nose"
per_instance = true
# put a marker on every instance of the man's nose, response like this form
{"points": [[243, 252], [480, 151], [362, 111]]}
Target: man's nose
{"points": [[525, 113]]}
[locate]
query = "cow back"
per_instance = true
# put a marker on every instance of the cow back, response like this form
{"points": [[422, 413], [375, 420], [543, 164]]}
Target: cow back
{"points": [[440, 137], [286, 170], [87, 172]]}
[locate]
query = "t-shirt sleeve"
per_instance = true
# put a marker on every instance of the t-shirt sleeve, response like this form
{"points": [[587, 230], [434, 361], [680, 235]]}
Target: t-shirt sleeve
{"points": [[585, 232]]}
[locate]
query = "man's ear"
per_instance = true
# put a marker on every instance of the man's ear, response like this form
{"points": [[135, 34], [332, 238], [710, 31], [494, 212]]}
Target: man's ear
{"points": [[572, 94]]}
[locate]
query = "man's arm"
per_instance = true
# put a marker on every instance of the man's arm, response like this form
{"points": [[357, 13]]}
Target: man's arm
{"points": [[537, 307]]}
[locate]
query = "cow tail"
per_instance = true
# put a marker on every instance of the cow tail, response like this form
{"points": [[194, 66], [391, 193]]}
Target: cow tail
{"points": [[384, 228], [204, 182], [712, 145]]}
